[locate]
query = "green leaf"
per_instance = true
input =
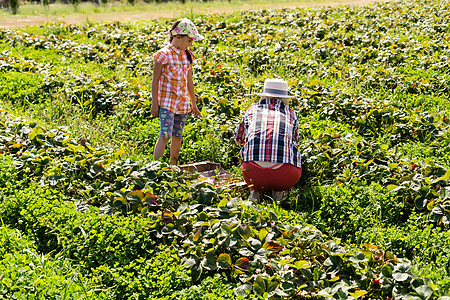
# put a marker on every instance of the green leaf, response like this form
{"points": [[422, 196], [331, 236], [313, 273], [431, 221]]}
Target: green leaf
{"points": [[446, 177], [272, 286], [246, 252], [243, 290], [326, 292], [430, 205], [421, 203], [135, 197], [223, 203], [226, 229], [400, 277], [334, 262], [188, 262], [314, 82], [209, 263], [119, 202], [231, 241], [34, 132], [437, 213], [254, 244], [168, 229], [206, 195], [244, 231], [394, 188], [259, 286], [196, 272], [444, 193], [424, 291], [415, 186], [224, 261]]}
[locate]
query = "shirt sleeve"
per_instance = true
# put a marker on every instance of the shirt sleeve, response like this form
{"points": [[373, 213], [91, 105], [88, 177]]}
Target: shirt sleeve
{"points": [[160, 57], [296, 130], [239, 135], [295, 127]]}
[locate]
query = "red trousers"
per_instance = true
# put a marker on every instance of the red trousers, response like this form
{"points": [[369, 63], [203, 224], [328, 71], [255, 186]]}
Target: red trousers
{"points": [[269, 179]]}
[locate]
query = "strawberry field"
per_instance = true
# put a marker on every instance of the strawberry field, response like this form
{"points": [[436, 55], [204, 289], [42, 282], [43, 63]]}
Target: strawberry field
{"points": [[86, 213]]}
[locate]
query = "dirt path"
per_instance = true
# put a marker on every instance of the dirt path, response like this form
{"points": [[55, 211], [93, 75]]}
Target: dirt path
{"points": [[76, 18]]}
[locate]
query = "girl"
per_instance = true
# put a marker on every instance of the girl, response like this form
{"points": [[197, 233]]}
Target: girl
{"points": [[173, 87]]}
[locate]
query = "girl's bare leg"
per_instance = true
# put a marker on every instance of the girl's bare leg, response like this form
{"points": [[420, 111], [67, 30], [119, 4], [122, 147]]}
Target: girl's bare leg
{"points": [[175, 146], [161, 143]]}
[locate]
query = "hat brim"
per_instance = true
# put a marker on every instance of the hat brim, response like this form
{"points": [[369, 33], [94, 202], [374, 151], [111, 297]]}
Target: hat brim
{"points": [[273, 95], [197, 37]]}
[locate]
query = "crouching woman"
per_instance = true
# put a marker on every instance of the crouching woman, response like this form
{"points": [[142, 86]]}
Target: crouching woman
{"points": [[268, 133]]}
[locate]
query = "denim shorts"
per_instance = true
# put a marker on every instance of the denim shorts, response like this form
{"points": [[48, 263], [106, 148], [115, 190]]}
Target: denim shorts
{"points": [[171, 124]]}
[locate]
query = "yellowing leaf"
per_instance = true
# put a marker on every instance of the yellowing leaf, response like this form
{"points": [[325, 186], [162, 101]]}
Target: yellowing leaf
{"points": [[302, 264], [119, 154], [263, 232], [197, 234], [358, 293], [272, 246]]}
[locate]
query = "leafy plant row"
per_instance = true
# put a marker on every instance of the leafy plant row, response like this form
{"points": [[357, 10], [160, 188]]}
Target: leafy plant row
{"points": [[370, 51], [422, 184], [266, 256]]}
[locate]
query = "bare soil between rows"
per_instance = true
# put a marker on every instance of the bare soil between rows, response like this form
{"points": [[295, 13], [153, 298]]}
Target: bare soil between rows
{"points": [[130, 16]]}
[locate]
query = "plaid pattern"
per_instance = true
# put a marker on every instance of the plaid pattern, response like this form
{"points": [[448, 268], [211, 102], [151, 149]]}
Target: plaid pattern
{"points": [[173, 92], [269, 132]]}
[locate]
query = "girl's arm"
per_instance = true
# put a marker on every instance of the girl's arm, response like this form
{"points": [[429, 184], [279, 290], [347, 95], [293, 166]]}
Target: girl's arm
{"points": [[190, 86], [157, 70]]}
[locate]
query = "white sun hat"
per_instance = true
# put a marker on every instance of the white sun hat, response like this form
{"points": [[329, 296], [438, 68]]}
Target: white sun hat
{"points": [[275, 88]]}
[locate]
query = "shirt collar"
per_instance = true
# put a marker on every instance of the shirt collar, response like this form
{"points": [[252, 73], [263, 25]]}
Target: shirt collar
{"points": [[173, 48], [270, 101]]}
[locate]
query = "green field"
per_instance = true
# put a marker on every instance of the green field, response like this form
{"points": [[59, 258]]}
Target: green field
{"points": [[86, 213]]}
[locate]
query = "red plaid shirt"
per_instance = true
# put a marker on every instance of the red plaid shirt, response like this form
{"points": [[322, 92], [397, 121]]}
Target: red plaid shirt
{"points": [[269, 132], [173, 91]]}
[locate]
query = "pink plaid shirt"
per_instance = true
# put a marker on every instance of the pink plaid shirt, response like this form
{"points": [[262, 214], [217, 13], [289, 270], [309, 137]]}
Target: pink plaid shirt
{"points": [[173, 91]]}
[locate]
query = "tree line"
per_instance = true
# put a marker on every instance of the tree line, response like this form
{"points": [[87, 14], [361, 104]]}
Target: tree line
{"points": [[13, 5]]}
